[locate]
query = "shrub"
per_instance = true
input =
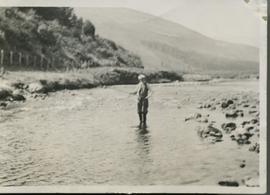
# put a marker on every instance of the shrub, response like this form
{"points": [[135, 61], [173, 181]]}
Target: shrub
{"points": [[89, 28]]}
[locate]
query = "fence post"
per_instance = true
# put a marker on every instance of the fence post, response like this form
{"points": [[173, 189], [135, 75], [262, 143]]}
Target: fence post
{"points": [[11, 57], [52, 62], [47, 64], [2, 57], [41, 62], [27, 60], [35, 61], [20, 58]]}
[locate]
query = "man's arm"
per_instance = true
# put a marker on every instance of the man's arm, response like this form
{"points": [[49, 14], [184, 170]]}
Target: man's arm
{"points": [[150, 92], [136, 90]]}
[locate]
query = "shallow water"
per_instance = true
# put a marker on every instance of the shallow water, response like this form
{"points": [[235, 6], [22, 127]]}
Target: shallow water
{"points": [[90, 137]]}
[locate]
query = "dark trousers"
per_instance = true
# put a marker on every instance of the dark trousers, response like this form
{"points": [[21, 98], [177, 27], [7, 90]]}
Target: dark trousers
{"points": [[142, 108]]}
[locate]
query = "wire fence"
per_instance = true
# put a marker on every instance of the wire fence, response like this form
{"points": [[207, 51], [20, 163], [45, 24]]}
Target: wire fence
{"points": [[18, 60]]}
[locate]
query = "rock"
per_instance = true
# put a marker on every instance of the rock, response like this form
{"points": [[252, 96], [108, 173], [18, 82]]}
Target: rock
{"points": [[242, 165], [233, 137], [234, 114], [3, 104], [18, 85], [255, 148], [231, 115], [203, 120], [228, 127], [18, 97], [252, 182], [213, 108], [194, 116], [210, 132], [224, 105], [229, 102], [252, 111], [200, 107], [36, 87], [197, 115], [254, 121], [229, 183], [245, 123], [250, 128], [245, 105], [207, 105], [5, 93]]}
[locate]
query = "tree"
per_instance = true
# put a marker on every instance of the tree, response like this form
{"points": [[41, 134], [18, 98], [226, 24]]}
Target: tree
{"points": [[89, 28]]}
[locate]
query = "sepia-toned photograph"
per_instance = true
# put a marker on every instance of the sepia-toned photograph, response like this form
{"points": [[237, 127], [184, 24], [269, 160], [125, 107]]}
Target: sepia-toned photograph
{"points": [[133, 96]]}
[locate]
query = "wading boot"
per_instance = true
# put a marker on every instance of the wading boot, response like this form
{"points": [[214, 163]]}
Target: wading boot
{"points": [[141, 122], [144, 120]]}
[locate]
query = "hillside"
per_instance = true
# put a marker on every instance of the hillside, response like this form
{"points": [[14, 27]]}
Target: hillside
{"points": [[55, 38], [165, 45]]}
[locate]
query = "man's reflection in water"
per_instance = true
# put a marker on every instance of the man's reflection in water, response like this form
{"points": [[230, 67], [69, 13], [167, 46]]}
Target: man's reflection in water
{"points": [[143, 138], [144, 155]]}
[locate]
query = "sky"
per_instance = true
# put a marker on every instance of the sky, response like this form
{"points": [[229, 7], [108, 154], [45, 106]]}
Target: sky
{"points": [[227, 20]]}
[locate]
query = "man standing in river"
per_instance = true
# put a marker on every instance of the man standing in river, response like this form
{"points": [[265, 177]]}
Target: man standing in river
{"points": [[143, 93]]}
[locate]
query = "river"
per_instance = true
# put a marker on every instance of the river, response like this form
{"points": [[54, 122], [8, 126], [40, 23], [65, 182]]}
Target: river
{"points": [[89, 137]]}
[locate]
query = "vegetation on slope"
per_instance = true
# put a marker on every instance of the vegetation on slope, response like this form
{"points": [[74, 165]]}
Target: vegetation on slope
{"points": [[58, 35]]}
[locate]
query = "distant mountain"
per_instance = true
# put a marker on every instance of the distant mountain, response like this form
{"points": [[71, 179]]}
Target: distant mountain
{"points": [[166, 45]]}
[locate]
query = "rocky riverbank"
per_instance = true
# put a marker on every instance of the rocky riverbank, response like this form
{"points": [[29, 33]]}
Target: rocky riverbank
{"points": [[240, 124], [29, 85]]}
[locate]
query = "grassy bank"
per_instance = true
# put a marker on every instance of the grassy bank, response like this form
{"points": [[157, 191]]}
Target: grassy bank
{"points": [[22, 83], [15, 85]]}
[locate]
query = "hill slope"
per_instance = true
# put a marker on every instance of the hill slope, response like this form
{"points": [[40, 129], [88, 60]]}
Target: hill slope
{"points": [[169, 46], [57, 38]]}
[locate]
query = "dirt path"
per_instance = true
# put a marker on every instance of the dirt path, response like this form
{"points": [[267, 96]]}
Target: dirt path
{"points": [[90, 137]]}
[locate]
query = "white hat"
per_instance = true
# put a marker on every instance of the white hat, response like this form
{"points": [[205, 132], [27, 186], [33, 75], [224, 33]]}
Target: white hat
{"points": [[141, 76]]}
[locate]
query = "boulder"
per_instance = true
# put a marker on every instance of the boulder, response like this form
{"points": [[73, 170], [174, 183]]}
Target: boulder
{"points": [[254, 121], [229, 102], [228, 127], [5, 93], [244, 123], [255, 148], [224, 105], [3, 104], [210, 132], [36, 87], [17, 95], [234, 114]]}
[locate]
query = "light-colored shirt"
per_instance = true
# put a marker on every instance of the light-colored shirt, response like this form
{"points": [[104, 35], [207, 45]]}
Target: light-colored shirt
{"points": [[143, 90]]}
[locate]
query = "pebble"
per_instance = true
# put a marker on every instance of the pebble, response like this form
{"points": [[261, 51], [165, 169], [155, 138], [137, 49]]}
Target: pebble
{"points": [[229, 183]]}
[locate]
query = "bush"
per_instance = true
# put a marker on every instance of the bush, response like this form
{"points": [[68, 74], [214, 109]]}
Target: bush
{"points": [[89, 29]]}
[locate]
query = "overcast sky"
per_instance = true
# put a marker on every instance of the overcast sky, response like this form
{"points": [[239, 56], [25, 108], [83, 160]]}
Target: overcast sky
{"points": [[228, 20]]}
